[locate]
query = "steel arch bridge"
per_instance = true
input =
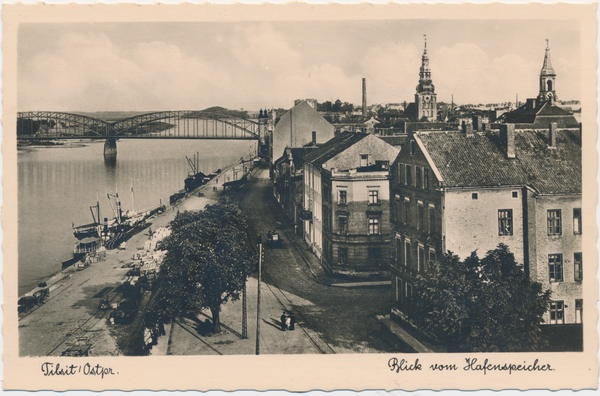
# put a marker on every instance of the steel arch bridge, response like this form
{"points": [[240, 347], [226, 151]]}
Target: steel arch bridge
{"points": [[157, 125]]}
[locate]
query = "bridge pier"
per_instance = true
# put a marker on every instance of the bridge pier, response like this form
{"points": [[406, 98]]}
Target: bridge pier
{"points": [[110, 147]]}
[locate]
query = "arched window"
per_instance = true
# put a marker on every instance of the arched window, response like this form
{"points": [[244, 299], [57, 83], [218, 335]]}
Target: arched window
{"points": [[549, 85]]}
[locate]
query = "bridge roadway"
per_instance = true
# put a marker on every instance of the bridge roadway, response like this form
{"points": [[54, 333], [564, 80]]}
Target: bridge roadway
{"points": [[188, 124]]}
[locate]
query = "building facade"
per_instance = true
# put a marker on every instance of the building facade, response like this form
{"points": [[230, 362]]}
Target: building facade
{"points": [[346, 202], [288, 180], [463, 192]]}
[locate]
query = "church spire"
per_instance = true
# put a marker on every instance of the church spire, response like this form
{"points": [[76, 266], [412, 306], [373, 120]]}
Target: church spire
{"points": [[547, 79], [547, 68], [425, 72]]}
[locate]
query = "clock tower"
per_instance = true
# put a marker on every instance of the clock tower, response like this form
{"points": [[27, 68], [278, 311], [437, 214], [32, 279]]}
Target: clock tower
{"points": [[425, 98]]}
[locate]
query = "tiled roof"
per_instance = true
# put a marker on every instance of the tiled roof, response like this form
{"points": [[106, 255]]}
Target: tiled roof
{"points": [[333, 147], [528, 115], [480, 160], [394, 140]]}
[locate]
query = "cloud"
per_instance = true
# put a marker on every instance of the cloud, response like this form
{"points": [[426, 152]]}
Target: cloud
{"points": [[392, 72], [258, 65]]}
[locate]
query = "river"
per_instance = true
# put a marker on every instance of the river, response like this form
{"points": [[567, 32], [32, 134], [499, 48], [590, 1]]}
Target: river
{"points": [[58, 184]]}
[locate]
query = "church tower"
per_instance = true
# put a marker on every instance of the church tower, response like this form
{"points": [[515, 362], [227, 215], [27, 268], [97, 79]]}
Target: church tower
{"points": [[547, 79], [425, 98]]}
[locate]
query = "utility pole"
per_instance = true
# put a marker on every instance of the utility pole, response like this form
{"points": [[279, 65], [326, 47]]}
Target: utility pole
{"points": [[244, 311], [260, 257]]}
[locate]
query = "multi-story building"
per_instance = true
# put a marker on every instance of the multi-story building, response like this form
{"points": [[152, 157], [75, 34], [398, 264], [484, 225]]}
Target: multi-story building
{"points": [[346, 204], [463, 192], [288, 182]]}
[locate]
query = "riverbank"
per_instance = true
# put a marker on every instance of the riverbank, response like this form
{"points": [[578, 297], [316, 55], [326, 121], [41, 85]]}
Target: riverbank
{"points": [[71, 318]]}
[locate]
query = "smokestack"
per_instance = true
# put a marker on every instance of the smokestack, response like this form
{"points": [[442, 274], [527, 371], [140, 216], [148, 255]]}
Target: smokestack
{"points": [[314, 138], [364, 97], [507, 133], [552, 132]]}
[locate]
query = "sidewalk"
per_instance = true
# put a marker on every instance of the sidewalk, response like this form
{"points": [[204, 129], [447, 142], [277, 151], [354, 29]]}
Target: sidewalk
{"points": [[190, 336]]}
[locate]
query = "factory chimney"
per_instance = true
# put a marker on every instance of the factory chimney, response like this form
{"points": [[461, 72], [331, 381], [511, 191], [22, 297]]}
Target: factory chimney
{"points": [[364, 97]]}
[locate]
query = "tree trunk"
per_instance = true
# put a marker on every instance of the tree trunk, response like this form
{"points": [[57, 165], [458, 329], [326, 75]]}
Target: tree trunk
{"points": [[216, 321]]}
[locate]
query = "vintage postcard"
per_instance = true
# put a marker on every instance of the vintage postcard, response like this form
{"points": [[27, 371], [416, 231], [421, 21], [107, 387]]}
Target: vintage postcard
{"points": [[299, 196]]}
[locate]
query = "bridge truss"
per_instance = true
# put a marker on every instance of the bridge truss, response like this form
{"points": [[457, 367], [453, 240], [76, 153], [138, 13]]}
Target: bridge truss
{"points": [[157, 125]]}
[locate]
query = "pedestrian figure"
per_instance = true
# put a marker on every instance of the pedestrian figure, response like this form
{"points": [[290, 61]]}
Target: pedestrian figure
{"points": [[288, 322], [161, 328], [292, 321], [283, 321]]}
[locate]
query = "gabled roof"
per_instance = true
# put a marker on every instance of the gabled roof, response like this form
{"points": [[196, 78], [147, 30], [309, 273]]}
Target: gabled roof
{"points": [[527, 114], [333, 147], [479, 160], [297, 154]]}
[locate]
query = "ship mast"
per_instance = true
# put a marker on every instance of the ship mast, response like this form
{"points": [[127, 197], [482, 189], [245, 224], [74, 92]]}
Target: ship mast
{"points": [[132, 198]]}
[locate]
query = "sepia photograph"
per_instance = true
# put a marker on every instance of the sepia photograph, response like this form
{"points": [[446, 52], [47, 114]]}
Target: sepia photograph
{"points": [[394, 187]]}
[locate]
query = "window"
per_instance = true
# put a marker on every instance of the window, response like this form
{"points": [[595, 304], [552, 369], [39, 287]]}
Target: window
{"points": [[343, 224], [373, 197], [421, 259], [364, 160], [426, 178], [408, 261], [578, 311], [505, 226], [557, 312], [401, 177], [373, 226], [397, 208], [577, 221], [420, 217], [431, 255], [399, 251], [577, 264], [431, 220], [406, 211], [342, 197], [374, 256], [413, 147], [343, 256], [555, 268], [515, 194], [474, 196], [554, 225], [418, 177], [408, 175]]}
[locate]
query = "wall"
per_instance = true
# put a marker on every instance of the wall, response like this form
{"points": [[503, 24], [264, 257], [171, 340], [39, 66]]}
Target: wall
{"points": [[472, 224], [567, 243], [302, 120]]}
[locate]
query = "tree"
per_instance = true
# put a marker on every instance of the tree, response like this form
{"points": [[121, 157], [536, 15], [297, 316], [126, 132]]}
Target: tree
{"points": [[487, 305], [207, 261]]}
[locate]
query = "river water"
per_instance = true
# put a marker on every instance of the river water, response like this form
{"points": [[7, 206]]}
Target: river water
{"points": [[57, 185]]}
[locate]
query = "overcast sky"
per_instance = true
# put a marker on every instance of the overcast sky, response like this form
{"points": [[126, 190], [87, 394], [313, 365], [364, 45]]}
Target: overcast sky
{"points": [[252, 65]]}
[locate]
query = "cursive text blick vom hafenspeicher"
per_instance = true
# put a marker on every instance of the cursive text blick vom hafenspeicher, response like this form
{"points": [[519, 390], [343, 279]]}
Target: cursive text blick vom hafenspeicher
{"points": [[472, 364]]}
